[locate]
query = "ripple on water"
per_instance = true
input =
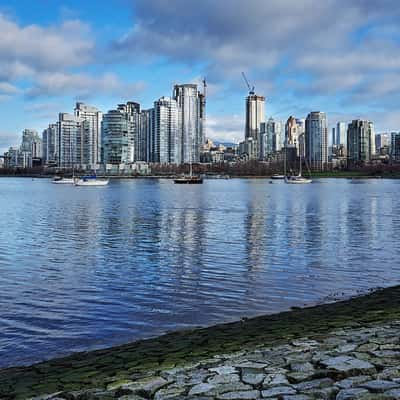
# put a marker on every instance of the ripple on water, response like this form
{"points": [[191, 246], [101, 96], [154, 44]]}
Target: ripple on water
{"points": [[83, 269]]}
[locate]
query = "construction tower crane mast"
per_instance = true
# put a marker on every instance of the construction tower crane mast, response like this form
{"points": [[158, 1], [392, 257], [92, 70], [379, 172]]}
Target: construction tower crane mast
{"points": [[251, 88]]}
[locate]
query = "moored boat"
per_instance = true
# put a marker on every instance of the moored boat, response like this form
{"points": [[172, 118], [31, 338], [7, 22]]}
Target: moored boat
{"points": [[297, 179], [188, 179], [277, 176], [59, 180], [90, 180]]}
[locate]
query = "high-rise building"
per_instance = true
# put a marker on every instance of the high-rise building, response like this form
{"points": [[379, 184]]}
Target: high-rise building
{"points": [[91, 133], [69, 132], [272, 139], [31, 148], [395, 146], [360, 142], [50, 144], [291, 133], [118, 136], [316, 140], [167, 147], [255, 121], [191, 126], [146, 136], [341, 134]]}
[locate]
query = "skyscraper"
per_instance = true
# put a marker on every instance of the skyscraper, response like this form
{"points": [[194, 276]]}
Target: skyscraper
{"points": [[166, 137], [360, 142], [191, 126], [91, 133], [146, 136], [69, 132], [120, 134], [255, 116], [50, 144], [341, 134], [316, 140]]}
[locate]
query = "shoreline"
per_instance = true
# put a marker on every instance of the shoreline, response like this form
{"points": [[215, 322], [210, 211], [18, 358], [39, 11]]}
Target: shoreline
{"points": [[101, 367], [212, 177]]}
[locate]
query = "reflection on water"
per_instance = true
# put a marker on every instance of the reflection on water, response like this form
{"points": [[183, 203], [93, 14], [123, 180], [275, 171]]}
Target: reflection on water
{"points": [[82, 268]]}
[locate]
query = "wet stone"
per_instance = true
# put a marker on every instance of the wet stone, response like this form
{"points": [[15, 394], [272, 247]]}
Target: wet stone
{"points": [[223, 379], [348, 365], [223, 370], [275, 380], [201, 388], [377, 386], [302, 367], [351, 394], [247, 395], [253, 379], [314, 384], [353, 381], [278, 391]]}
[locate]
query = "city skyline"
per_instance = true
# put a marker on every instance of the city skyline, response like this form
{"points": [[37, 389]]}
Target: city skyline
{"points": [[133, 51]]}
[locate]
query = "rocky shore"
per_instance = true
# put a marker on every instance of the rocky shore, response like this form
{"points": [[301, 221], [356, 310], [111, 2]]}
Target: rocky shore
{"points": [[346, 350]]}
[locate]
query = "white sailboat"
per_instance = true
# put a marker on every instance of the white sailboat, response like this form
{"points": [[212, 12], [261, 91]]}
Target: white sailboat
{"points": [[90, 180], [59, 180], [296, 179]]}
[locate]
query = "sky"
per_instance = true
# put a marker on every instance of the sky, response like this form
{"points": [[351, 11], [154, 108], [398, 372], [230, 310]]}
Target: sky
{"points": [[337, 56]]}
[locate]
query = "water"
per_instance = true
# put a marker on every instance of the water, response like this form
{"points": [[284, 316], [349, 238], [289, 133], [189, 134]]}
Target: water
{"points": [[84, 268]]}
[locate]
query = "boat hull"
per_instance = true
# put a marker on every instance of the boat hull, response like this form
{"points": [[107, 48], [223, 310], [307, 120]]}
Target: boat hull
{"points": [[93, 182], [298, 181], [188, 181], [66, 181]]}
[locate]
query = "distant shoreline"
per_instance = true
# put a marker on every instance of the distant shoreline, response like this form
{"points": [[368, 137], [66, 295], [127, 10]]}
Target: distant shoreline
{"points": [[213, 177]]}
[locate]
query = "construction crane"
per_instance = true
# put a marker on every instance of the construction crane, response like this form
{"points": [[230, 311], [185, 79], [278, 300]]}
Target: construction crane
{"points": [[251, 89]]}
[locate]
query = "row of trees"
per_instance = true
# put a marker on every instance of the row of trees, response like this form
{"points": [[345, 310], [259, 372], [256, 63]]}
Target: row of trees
{"points": [[244, 168]]}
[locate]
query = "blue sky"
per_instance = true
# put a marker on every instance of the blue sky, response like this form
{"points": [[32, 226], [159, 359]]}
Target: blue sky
{"points": [[337, 56]]}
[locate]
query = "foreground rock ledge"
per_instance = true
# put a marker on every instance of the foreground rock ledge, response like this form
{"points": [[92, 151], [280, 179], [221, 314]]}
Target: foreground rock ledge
{"points": [[345, 350]]}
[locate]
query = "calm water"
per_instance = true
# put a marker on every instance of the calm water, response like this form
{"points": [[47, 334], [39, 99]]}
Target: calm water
{"points": [[83, 268]]}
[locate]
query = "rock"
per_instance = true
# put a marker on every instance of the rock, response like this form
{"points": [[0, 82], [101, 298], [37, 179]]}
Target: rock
{"points": [[223, 379], [247, 395], [352, 381], [348, 366], [393, 394], [379, 386], [223, 370], [389, 373], [367, 347], [351, 394], [314, 384], [297, 377], [201, 388], [302, 367], [118, 384], [322, 394], [251, 367], [230, 387], [252, 379], [278, 391], [346, 348], [169, 393], [296, 397], [275, 380], [147, 385]]}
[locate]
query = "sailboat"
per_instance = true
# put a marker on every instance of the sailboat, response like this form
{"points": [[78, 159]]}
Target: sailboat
{"points": [[296, 179], [189, 179]]}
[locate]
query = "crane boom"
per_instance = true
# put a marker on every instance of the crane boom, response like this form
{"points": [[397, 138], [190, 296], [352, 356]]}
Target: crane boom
{"points": [[251, 89]]}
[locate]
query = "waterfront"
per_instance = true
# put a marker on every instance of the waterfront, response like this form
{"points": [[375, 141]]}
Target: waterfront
{"points": [[87, 268]]}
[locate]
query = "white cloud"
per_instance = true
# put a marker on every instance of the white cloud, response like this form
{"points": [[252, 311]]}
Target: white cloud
{"points": [[82, 86], [34, 48], [229, 128]]}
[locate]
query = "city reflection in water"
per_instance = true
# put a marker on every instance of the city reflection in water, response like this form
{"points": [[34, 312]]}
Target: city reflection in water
{"points": [[83, 268]]}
